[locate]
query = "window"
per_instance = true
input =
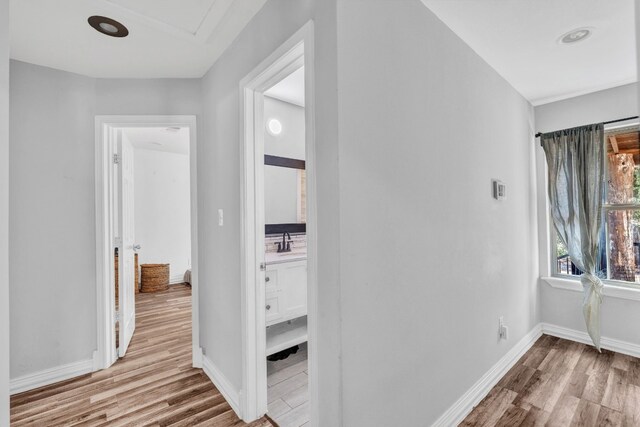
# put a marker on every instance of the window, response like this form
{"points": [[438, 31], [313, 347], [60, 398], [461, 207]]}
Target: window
{"points": [[620, 237]]}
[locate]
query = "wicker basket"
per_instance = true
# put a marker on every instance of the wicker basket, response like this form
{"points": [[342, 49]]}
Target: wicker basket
{"points": [[154, 277]]}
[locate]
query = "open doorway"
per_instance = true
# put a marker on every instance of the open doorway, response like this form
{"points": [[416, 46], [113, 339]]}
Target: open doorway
{"points": [[285, 258], [146, 228], [279, 257], [152, 213]]}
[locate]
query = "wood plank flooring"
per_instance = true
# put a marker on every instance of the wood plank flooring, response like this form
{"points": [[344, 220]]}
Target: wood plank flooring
{"points": [[288, 390], [564, 383], [153, 385]]}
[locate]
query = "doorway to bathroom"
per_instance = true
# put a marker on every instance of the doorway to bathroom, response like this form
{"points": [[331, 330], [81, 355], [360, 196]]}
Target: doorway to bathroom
{"points": [[279, 224], [145, 225]]}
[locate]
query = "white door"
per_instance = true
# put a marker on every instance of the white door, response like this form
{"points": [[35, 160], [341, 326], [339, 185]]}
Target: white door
{"points": [[127, 303]]}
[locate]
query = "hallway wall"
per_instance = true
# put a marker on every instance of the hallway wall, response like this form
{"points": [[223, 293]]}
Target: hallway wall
{"points": [[52, 198], [4, 213], [429, 260], [52, 246], [219, 168]]}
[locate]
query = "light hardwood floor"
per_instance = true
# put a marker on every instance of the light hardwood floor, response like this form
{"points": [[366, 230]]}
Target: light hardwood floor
{"points": [[154, 384], [563, 383], [288, 390]]}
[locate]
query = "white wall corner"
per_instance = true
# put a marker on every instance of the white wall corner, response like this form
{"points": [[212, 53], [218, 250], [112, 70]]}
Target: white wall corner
{"points": [[51, 376], [224, 386], [463, 406]]}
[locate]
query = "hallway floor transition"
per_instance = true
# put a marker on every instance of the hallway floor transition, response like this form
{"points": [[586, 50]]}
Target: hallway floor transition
{"points": [[154, 384]]}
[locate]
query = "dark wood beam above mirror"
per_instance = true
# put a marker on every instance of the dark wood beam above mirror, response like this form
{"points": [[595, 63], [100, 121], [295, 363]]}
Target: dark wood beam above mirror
{"points": [[284, 162], [285, 228]]}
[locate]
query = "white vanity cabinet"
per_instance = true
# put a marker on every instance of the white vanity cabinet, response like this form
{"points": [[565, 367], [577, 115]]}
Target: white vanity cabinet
{"points": [[286, 291]]}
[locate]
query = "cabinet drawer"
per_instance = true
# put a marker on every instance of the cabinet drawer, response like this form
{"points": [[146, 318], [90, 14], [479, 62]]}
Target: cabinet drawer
{"points": [[271, 280], [272, 309]]}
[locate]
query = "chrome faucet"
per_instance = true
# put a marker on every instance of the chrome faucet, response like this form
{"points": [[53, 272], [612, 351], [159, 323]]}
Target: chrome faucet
{"points": [[284, 246]]}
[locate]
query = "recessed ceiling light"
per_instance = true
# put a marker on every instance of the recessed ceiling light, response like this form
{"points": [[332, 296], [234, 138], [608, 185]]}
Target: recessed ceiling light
{"points": [[108, 26], [576, 35]]}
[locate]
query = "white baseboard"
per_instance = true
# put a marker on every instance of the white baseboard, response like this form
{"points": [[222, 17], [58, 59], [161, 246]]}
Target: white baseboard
{"points": [[612, 344], [459, 410], [50, 376], [178, 278], [197, 357], [222, 384]]}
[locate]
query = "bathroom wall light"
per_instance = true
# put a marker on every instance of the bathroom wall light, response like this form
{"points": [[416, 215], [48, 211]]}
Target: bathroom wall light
{"points": [[274, 127], [108, 26]]}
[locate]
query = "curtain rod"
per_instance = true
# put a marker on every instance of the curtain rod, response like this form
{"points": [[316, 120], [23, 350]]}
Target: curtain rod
{"points": [[605, 123]]}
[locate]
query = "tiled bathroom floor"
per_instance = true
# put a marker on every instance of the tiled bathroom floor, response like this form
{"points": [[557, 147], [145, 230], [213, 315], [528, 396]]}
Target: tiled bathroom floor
{"points": [[288, 390]]}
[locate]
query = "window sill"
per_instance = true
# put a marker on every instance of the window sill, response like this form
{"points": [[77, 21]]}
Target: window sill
{"points": [[610, 290]]}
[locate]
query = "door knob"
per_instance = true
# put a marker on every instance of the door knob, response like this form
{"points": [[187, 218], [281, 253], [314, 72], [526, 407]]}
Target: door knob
{"points": [[268, 307], [266, 279], [136, 247]]}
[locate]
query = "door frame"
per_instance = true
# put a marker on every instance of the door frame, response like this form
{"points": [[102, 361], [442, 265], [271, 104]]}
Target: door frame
{"points": [[297, 51], [105, 130]]}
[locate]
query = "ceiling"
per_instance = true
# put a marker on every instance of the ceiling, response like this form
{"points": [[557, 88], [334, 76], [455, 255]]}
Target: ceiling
{"points": [[290, 89], [167, 38], [170, 140], [518, 38]]}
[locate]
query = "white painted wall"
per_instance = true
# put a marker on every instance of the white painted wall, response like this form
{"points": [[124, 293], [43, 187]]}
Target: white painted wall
{"points": [[281, 185], [4, 213], [162, 209], [52, 213], [610, 104], [290, 143], [219, 171], [428, 259], [562, 307], [52, 231]]}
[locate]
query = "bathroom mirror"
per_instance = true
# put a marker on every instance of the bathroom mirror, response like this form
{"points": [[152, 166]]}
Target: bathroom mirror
{"points": [[284, 191]]}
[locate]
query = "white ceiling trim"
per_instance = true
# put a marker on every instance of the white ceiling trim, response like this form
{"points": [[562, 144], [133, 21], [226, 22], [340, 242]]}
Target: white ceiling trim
{"points": [[168, 38], [208, 24], [218, 11], [548, 100]]}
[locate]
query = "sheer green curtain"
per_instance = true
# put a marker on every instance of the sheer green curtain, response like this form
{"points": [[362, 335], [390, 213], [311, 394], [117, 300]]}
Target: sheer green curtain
{"points": [[575, 161]]}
